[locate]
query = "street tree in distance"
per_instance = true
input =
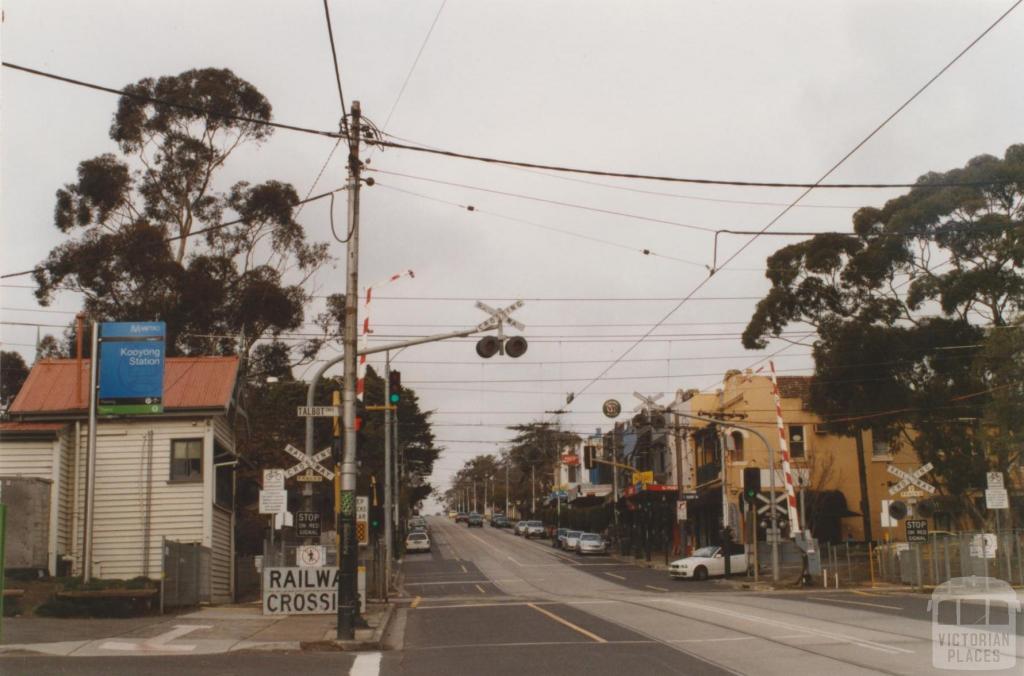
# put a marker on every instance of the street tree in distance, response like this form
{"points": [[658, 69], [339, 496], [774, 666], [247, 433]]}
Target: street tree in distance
{"points": [[904, 308]]}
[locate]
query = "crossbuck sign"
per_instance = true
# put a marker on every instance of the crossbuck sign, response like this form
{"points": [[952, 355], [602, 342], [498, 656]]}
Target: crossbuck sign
{"points": [[312, 462], [911, 478]]}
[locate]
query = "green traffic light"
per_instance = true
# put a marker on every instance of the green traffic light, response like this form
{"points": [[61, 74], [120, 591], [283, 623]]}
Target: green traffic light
{"points": [[394, 397]]}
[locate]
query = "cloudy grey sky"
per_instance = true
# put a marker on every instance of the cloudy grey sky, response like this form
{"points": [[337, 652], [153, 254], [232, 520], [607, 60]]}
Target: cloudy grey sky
{"points": [[764, 91]]}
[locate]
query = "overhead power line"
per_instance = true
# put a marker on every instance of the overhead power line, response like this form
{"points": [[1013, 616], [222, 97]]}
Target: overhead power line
{"points": [[493, 160], [806, 192], [415, 62], [334, 62]]}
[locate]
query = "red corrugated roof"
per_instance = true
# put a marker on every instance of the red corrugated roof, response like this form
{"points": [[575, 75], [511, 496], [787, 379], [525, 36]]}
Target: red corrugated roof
{"points": [[18, 426], [189, 382]]}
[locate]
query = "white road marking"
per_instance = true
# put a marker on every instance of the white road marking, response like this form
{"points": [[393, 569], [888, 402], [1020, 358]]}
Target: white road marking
{"points": [[431, 584], [650, 586], [366, 664], [710, 640], [481, 589], [855, 603], [615, 576], [158, 643]]}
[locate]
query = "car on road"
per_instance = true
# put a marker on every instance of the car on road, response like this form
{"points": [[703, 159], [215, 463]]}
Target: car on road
{"points": [[461, 517], [417, 541], [520, 528], [707, 562], [475, 521], [499, 521], [558, 536], [591, 543], [452, 514], [534, 529], [571, 538]]}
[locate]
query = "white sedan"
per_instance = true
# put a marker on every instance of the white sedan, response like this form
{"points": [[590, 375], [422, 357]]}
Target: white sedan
{"points": [[417, 541], [705, 562]]}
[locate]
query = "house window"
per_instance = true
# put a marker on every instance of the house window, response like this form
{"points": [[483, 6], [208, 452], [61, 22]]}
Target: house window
{"points": [[880, 447], [797, 442], [187, 460], [736, 438]]}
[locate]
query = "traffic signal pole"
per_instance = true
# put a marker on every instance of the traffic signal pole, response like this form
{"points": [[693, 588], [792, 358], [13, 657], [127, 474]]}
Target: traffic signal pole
{"points": [[389, 537]]}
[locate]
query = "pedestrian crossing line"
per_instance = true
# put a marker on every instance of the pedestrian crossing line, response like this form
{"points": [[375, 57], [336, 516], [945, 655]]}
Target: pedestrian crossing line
{"points": [[366, 664], [594, 637], [617, 577]]}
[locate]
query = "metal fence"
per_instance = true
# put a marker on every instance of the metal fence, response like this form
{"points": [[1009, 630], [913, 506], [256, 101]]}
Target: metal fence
{"points": [[948, 555], [185, 579]]}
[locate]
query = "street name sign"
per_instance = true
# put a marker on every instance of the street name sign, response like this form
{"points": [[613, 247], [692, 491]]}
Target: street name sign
{"points": [[911, 478], [131, 368], [917, 530], [273, 501], [319, 411]]}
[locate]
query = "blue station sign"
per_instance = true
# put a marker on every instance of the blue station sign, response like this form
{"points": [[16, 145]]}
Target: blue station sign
{"points": [[131, 368]]}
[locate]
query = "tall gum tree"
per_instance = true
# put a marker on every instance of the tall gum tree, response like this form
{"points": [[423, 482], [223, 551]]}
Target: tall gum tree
{"points": [[147, 238], [909, 310]]}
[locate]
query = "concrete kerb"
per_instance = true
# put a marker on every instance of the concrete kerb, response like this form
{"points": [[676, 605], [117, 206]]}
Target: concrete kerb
{"points": [[375, 641]]}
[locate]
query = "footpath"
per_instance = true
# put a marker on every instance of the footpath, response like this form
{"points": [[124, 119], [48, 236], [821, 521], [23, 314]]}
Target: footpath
{"points": [[206, 631]]}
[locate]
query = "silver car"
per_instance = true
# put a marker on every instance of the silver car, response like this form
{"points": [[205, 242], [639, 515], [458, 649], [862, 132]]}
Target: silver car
{"points": [[534, 529], [591, 543], [520, 528], [571, 538]]}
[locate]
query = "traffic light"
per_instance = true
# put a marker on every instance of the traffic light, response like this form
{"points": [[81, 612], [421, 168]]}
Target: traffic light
{"points": [[376, 518], [360, 415], [394, 387], [751, 484]]}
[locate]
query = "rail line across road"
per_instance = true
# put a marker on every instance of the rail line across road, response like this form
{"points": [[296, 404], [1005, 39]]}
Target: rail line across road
{"points": [[485, 601]]}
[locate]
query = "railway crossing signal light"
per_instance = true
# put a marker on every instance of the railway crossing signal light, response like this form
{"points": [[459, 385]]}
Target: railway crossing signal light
{"points": [[514, 347], [751, 483], [394, 387], [898, 510], [488, 346]]}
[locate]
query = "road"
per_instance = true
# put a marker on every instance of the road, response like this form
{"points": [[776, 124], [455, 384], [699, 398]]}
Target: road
{"points": [[484, 602]]}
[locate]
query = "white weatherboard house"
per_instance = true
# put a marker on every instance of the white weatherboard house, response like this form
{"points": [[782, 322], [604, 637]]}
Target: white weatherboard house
{"points": [[168, 476]]}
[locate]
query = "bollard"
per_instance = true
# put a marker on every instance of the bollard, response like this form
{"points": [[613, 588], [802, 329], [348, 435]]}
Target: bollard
{"points": [[824, 577]]}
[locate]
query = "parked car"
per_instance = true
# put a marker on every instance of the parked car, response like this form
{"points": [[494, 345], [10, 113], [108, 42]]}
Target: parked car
{"points": [[708, 561], [556, 539], [452, 514], [534, 529], [504, 523], [520, 528], [475, 521], [417, 541], [461, 517], [591, 543], [571, 538]]}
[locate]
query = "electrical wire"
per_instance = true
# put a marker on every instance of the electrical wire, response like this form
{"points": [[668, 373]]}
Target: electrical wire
{"points": [[334, 62], [195, 233], [594, 172], [415, 62], [809, 188]]}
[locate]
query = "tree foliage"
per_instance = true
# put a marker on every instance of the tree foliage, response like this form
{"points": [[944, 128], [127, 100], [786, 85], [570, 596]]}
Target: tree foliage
{"points": [[152, 237], [915, 315], [13, 372]]}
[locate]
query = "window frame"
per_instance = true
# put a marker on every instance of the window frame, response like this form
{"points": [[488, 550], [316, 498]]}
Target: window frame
{"points": [[878, 437], [190, 477], [803, 440]]}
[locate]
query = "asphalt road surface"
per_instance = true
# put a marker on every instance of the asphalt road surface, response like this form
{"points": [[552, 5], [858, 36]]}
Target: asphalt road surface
{"points": [[486, 603]]}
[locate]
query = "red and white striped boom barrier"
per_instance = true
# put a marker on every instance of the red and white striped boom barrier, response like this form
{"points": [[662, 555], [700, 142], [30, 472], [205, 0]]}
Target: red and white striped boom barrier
{"points": [[787, 472]]}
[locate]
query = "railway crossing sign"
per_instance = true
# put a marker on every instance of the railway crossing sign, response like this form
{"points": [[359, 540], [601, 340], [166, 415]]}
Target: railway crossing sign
{"points": [[647, 403], [499, 318], [781, 505], [911, 478], [311, 463]]}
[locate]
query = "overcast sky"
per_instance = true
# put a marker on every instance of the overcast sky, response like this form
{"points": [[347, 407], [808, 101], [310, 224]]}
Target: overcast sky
{"points": [[765, 91]]}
